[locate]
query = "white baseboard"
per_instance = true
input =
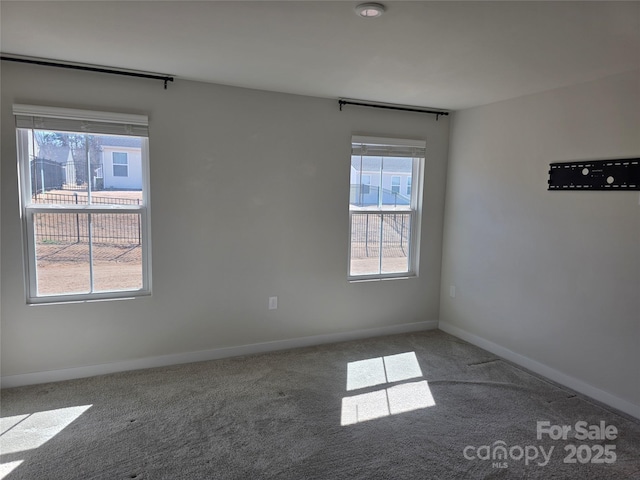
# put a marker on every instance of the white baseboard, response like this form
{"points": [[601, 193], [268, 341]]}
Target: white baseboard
{"points": [[544, 370], [204, 355]]}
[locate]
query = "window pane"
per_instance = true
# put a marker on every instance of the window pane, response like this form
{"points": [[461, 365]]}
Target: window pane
{"points": [[395, 242], [365, 243], [62, 253], [365, 181], [392, 169], [66, 167], [395, 184], [365, 184], [117, 252], [120, 171], [58, 165], [119, 158]]}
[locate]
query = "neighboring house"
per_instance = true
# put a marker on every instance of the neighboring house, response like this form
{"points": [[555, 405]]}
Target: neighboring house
{"points": [[373, 183], [121, 163], [116, 164]]}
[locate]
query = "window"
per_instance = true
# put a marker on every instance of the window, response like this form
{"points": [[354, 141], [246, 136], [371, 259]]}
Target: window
{"points": [[395, 184], [385, 228], [85, 237], [366, 184], [120, 164]]}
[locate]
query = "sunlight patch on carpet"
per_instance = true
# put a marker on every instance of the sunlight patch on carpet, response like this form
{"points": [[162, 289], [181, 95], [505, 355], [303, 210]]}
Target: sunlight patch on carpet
{"points": [[400, 398], [381, 370], [7, 468], [21, 433], [389, 401]]}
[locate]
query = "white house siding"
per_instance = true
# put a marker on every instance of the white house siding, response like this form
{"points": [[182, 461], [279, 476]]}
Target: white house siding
{"points": [[133, 181]]}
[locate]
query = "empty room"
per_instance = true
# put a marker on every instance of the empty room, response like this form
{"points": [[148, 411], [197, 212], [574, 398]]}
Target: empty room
{"points": [[319, 240]]}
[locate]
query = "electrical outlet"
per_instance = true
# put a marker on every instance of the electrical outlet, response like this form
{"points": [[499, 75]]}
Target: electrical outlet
{"points": [[452, 291], [273, 303]]}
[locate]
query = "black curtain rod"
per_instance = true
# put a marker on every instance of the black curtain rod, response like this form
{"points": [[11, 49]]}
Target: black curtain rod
{"points": [[87, 68], [342, 102]]}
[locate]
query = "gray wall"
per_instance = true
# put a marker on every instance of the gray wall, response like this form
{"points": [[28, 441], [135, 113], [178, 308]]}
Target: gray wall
{"points": [[249, 198], [553, 276]]}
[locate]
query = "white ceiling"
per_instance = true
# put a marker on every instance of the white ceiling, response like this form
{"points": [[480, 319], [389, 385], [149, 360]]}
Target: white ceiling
{"points": [[448, 54]]}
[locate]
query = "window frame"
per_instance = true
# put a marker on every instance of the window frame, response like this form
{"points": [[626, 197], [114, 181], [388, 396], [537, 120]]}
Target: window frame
{"points": [[28, 209], [415, 209]]}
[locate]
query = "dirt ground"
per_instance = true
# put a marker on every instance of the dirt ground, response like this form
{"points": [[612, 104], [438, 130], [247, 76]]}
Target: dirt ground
{"points": [[65, 278], [73, 277], [64, 269], [371, 265]]}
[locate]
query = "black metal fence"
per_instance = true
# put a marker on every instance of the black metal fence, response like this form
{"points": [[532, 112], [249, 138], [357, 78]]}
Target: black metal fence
{"points": [[81, 198], [372, 230], [46, 175], [106, 228]]}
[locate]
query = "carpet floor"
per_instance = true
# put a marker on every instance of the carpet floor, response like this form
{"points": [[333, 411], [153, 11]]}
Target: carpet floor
{"points": [[423, 405]]}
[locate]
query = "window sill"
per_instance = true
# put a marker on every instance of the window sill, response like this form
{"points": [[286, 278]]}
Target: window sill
{"points": [[71, 299], [381, 279]]}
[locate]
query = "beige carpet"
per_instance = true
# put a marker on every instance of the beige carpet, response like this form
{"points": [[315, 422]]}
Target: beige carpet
{"points": [[415, 406]]}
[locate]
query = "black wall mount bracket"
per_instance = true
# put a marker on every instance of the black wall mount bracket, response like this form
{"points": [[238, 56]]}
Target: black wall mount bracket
{"points": [[619, 174]]}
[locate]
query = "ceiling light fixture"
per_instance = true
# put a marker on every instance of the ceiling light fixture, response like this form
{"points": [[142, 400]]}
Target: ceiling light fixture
{"points": [[370, 10]]}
